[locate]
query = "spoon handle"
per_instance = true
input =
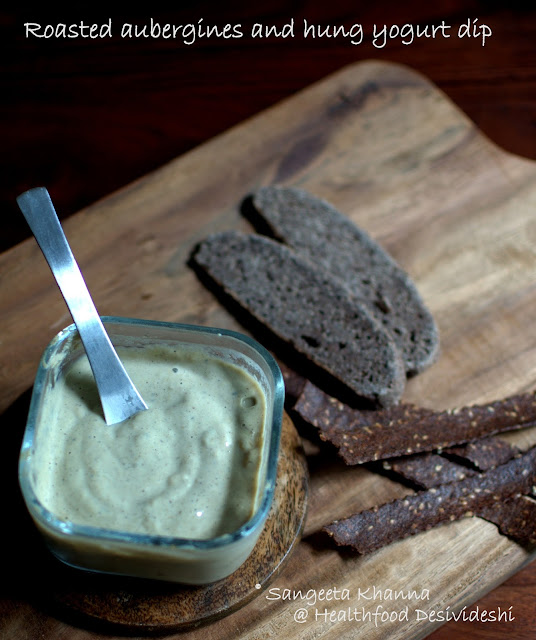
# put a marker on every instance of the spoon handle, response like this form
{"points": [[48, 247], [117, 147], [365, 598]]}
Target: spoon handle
{"points": [[119, 397]]}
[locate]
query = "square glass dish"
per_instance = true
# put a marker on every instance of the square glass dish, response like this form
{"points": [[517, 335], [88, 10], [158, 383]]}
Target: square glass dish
{"points": [[137, 551]]}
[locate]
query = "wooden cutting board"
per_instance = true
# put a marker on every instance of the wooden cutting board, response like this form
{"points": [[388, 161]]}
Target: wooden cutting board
{"points": [[387, 148]]}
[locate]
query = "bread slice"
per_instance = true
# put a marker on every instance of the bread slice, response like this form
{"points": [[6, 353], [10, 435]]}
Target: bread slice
{"points": [[319, 232], [306, 309]]}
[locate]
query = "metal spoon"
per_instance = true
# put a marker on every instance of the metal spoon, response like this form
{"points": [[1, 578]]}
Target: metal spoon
{"points": [[119, 397]]}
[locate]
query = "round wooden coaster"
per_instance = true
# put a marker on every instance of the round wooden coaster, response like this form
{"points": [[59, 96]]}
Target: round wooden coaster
{"points": [[147, 606]]}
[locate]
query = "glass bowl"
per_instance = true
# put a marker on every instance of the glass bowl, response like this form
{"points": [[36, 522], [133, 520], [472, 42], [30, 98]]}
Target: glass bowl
{"points": [[161, 557]]}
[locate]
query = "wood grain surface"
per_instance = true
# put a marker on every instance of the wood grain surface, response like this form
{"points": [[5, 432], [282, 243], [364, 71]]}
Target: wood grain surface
{"points": [[385, 146]]}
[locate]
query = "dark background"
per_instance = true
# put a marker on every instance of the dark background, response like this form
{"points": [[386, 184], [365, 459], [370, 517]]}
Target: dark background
{"points": [[84, 117]]}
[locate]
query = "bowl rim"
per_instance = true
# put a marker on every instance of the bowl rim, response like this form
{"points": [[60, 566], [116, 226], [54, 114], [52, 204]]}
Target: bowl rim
{"points": [[52, 524]]}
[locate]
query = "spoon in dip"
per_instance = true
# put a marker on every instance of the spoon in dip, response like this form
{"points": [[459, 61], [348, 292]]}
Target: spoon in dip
{"points": [[119, 397]]}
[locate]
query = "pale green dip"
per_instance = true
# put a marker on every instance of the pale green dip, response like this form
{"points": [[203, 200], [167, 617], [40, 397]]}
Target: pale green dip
{"points": [[188, 467]]}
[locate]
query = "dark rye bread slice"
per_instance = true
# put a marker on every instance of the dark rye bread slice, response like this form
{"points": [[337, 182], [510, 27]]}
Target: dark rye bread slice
{"points": [[317, 230], [307, 310]]}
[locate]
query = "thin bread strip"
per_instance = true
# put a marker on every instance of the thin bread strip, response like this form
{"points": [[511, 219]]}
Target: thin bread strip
{"points": [[427, 470], [515, 517], [485, 453], [366, 435], [317, 230], [374, 528], [306, 310]]}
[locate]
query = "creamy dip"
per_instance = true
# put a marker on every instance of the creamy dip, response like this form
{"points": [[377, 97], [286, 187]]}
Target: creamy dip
{"points": [[188, 467]]}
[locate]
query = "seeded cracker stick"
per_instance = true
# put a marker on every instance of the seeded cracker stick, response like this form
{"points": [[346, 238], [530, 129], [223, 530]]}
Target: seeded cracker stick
{"points": [[372, 529], [485, 453], [427, 470], [432, 469], [365, 435], [515, 517]]}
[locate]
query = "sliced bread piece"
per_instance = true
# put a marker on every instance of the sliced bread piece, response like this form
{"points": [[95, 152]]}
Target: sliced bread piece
{"points": [[318, 231], [307, 309]]}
